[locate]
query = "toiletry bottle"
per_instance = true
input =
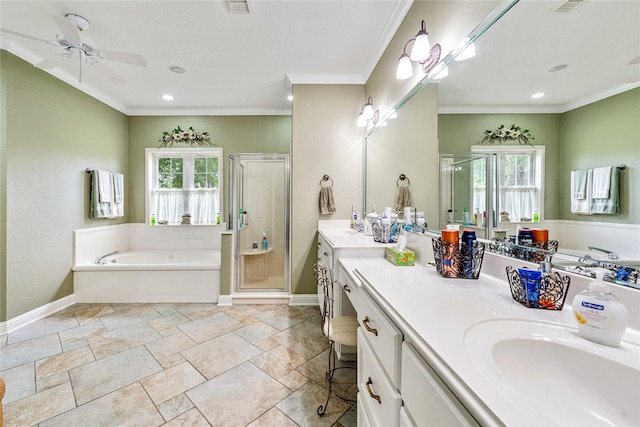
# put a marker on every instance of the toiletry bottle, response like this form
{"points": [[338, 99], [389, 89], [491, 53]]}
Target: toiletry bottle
{"points": [[218, 218], [450, 216], [265, 244], [245, 218], [536, 216], [153, 219], [466, 252], [240, 223], [601, 317], [476, 217], [353, 216], [450, 242], [465, 216]]}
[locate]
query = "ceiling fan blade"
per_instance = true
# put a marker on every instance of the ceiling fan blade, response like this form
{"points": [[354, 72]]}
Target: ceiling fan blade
{"points": [[24, 36], [127, 58], [68, 29], [108, 73], [49, 63]]}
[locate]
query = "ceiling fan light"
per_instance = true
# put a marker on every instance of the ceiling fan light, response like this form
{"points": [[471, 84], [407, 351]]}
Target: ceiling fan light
{"points": [[405, 68]]}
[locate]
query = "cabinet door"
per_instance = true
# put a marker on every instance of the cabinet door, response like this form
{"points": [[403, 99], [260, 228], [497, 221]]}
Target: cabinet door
{"points": [[428, 401], [380, 399], [383, 335]]}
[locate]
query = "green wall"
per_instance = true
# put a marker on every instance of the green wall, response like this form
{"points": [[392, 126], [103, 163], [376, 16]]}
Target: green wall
{"points": [[51, 133], [235, 134], [604, 133], [458, 132]]}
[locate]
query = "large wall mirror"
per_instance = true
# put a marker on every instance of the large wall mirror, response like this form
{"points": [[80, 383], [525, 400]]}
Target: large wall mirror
{"points": [[578, 53]]}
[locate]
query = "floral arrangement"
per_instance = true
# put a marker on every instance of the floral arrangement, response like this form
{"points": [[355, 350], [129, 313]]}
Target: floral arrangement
{"points": [[188, 136], [503, 134]]}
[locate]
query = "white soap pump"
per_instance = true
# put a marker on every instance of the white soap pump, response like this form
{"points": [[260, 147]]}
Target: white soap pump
{"points": [[600, 315]]}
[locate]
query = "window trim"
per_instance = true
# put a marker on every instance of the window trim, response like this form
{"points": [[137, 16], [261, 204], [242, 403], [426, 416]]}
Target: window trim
{"points": [[539, 164], [151, 173]]}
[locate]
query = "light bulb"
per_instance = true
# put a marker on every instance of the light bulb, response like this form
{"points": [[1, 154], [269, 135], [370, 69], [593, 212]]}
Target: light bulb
{"points": [[421, 47], [405, 68], [362, 122]]}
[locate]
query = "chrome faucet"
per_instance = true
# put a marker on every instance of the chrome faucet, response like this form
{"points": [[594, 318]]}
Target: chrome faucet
{"points": [[100, 259], [610, 254]]}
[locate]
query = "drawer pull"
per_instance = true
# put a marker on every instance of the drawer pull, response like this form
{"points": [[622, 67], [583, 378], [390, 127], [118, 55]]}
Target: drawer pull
{"points": [[365, 323], [374, 396], [346, 288]]}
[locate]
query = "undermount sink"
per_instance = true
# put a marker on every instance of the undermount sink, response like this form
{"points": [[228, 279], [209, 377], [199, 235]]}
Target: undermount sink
{"points": [[564, 378]]}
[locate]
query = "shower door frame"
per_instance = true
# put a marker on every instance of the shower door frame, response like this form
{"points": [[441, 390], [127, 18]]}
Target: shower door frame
{"points": [[235, 179]]}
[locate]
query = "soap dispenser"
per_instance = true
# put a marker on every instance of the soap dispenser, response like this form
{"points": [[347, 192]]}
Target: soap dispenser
{"points": [[600, 315]]}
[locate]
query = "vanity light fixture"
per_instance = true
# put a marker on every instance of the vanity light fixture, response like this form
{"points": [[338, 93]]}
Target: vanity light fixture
{"points": [[366, 113], [290, 98], [421, 52], [167, 97]]}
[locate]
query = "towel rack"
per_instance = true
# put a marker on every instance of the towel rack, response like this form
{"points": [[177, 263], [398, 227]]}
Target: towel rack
{"points": [[88, 171], [326, 179], [403, 177], [622, 167]]}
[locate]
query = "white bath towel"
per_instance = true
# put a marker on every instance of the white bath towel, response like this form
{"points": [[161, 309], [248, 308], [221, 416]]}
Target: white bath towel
{"points": [[582, 206], [105, 186], [601, 183], [579, 184], [118, 195]]}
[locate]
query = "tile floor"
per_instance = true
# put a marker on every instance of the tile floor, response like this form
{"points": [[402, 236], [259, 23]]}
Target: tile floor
{"points": [[172, 365]]}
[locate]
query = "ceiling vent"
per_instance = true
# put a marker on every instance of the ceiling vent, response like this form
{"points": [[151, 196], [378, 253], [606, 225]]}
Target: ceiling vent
{"points": [[239, 7], [568, 6]]}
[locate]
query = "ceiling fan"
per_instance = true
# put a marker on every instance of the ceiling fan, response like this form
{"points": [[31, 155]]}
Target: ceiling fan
{"points": [[77, 45]]}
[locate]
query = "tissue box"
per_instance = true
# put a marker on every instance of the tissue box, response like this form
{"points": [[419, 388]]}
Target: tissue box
{"points": [[397, 257]]}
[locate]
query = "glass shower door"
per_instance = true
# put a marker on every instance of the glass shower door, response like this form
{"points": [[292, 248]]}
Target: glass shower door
{"points": [[261, 222]]}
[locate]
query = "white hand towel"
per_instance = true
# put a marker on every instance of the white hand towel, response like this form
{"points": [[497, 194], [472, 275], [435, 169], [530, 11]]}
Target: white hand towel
{"points": [[118, 187], [579, 184], [582, 206], [601, 183], [105, 186]]}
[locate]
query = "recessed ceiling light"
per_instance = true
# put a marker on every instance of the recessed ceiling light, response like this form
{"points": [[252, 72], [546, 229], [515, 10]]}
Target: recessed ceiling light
{"points": [[290, 97], [167, 97], [178, 70], [538, 95], [558, 67]]}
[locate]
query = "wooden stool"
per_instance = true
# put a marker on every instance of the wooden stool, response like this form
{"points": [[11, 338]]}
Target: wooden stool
{"points": [[2, 389]]}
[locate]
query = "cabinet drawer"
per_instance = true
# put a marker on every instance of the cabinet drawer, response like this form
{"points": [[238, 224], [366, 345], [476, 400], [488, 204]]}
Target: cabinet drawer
{"points": [[426, 398], [352, 290], [363, 416], [325, 252], [380, 398], [383, 335]]}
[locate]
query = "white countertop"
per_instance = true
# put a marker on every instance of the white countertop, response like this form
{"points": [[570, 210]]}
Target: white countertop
{"points": [[438, 312], [339, 235]]}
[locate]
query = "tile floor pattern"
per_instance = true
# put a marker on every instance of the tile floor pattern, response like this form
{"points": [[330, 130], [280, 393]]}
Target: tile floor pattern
{"points": [[172, 365]]}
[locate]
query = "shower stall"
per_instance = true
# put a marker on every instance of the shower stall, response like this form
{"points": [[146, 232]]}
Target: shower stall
{"points": [[259, 216]]}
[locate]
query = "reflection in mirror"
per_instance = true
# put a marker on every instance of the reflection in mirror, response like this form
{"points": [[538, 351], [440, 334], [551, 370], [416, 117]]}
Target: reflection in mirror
{"points": [[581, 112]]}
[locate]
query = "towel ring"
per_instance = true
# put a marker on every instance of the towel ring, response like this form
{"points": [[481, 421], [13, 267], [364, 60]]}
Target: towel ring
{"points": [[403, 177], [326, 178]]}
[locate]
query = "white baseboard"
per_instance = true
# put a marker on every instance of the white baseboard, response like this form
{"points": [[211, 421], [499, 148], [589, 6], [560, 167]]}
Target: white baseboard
{"points": [[303, 299], [225, 300], [18, 322]]}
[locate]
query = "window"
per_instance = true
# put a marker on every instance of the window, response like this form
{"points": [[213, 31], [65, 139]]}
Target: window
{"points": [[520, 178], [184, 180]]}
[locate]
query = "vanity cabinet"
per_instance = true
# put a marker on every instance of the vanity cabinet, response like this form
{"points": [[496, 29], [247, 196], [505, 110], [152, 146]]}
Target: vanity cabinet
{"points": [[332, 246], [396, 385]]}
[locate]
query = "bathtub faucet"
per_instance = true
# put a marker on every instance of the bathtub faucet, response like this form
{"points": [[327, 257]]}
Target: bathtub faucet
{"points": [[610, 254], [100, 259]]}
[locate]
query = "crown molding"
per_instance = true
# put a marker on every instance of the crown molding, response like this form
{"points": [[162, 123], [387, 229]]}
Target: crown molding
{"points": [[207, 112], [397, 16], [72, 80], [324, 79]]}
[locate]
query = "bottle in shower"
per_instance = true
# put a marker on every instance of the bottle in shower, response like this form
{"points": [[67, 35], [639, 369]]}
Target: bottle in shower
{"points": [[265, 244], [153, 219]]}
